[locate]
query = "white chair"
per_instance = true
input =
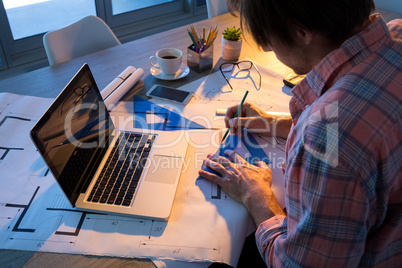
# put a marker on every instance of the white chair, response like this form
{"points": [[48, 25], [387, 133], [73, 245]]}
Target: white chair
{"points": [[83, 37], [216, 7]]}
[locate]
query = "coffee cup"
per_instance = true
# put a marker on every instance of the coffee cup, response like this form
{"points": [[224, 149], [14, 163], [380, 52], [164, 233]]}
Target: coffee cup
{"points": [[168, 60]]}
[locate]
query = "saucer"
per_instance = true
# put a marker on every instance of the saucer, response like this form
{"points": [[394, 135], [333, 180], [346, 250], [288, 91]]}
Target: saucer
{"points": [[182, 72]]}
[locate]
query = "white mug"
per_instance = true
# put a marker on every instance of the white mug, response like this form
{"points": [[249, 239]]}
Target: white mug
{"points": [[168, 60]]}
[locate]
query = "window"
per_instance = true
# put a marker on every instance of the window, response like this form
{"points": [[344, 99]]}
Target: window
{"points": [[44, 15], [120, 12], [123, 6], [201, 2], [23, 22]]}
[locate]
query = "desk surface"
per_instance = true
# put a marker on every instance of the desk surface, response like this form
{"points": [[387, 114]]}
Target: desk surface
{"points": [[106, 65]]}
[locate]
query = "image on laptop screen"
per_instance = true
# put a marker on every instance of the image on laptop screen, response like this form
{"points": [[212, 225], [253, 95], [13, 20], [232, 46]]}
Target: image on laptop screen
{"points": [[77, 125]]}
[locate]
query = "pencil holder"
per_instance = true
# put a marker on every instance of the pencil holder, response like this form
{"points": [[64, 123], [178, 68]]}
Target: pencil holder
{"points": [[200, 62]]}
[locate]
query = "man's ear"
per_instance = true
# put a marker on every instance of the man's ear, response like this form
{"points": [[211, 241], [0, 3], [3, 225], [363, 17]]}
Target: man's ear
{"points": [[304, 36]]}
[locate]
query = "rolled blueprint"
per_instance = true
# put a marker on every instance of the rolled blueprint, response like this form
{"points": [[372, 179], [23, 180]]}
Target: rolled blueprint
{"points": [[116, 89], [112, 86]]}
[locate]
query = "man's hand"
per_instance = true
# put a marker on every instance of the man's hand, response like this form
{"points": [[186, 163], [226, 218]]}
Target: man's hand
{"points": [[257, 121], [245, 183]]}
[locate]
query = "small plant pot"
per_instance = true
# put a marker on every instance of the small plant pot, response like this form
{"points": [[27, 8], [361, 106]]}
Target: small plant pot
{"points": [[230, 50]]}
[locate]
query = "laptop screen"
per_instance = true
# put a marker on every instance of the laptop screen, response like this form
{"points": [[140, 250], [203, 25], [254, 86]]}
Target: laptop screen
{"points": [[74, 133]]}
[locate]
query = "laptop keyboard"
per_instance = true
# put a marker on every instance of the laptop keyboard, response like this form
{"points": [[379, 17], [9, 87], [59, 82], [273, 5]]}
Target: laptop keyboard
{"points": [[122, 171]]}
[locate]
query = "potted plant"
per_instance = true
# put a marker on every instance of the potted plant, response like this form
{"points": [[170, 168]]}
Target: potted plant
{"points": [[231, 43]]}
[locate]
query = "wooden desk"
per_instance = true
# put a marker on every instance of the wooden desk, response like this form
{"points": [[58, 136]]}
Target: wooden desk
{"points": [[106, 65]]}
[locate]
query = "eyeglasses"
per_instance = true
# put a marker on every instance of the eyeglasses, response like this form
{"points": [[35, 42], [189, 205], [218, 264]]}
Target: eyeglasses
{"points": [[242, 65], [80, 93]]}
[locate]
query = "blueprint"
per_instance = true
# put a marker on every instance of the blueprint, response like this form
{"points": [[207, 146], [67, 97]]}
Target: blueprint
{"points": [[205, 224], [212, 93]]}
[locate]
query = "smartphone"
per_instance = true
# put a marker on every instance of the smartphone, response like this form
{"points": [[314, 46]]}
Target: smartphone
{"points": [[169, 93]]}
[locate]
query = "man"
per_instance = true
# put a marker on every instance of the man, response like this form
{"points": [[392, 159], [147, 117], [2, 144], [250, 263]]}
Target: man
{"points": [[343, 153]]}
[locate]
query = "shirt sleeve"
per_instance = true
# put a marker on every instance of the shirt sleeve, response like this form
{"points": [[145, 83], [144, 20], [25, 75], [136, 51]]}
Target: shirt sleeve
{"points": [[266, 235], [326, 225], [321, 236]]}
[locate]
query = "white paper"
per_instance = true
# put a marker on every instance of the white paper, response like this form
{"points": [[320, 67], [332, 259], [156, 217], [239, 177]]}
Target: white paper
{"points": [[117, 82], [205, 224], [36, 216], [212, 93], [113, 98]]}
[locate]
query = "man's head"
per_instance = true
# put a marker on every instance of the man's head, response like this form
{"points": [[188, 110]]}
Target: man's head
{"points": [[336, 19], [278, 23]]}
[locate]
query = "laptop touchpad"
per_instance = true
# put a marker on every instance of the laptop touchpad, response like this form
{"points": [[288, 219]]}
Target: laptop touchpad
{"points": [[164, 169]]}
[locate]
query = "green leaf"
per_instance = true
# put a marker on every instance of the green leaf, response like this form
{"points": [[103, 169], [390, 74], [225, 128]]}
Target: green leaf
{"points": [[232, 34]]}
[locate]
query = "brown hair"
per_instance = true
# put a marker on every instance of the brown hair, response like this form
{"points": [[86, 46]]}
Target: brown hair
{"points": [[336, 19]]}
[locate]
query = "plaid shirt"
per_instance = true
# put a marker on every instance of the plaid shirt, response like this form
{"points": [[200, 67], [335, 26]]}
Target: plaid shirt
{"points": [[343, 161]]}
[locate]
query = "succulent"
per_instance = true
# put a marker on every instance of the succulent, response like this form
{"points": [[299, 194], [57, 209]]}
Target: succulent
{"points": [[232, 34]]}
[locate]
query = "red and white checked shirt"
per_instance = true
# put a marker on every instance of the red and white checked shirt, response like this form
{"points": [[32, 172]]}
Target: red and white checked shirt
{"points": [[343, 165]]}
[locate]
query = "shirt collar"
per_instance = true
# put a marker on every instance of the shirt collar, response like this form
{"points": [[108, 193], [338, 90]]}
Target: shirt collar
{"points": [[325, 74]]}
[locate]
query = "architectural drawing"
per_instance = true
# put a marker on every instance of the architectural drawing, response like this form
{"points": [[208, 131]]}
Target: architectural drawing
{"points": [[36, 216]]}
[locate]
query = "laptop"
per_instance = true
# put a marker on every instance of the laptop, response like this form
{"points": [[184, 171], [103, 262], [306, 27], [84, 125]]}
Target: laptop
{"points": [[101, 168]]}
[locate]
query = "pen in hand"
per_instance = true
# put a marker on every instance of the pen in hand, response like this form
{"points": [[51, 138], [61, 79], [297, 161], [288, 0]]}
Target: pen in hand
{"points": [[237, 112]]}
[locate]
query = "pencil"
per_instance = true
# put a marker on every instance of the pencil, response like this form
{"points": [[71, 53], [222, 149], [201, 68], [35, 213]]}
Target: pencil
{"points": [[210, 42], [201, 39], [194, 33], [237, 112], [208, 36], [192, 38]]}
